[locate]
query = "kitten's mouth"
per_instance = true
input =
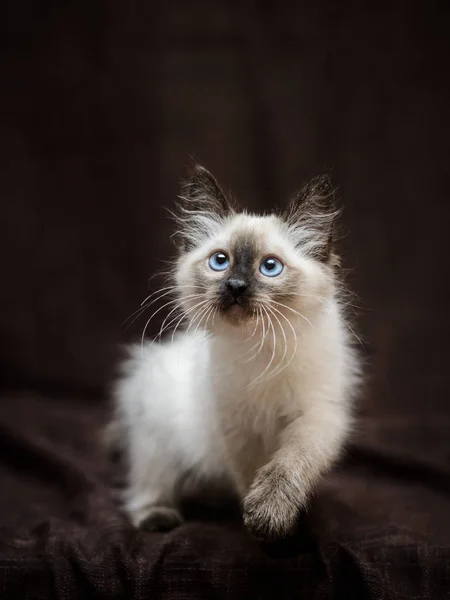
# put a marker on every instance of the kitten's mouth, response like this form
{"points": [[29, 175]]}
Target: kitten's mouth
{"points": [[237, 308], [239, 301]]}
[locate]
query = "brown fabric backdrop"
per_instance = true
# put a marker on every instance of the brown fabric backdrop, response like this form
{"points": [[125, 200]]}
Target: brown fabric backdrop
{"points": [[102, 106]]}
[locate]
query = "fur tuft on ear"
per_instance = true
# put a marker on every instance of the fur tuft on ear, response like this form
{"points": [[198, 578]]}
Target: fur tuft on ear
{"points": [[201, 209], [311, 217]]}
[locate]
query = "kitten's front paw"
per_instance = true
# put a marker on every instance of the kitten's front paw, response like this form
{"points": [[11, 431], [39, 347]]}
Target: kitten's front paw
{"points": [[271, 505]]}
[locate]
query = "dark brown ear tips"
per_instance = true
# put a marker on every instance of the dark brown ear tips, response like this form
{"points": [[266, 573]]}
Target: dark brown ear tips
{"points": [[319, 187], [316, 196], [203, 191], [200, 207], [313, 209]]}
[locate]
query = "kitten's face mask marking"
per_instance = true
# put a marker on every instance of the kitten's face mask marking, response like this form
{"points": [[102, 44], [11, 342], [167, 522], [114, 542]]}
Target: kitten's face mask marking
{"points": [[236, 289], [242, 284]]}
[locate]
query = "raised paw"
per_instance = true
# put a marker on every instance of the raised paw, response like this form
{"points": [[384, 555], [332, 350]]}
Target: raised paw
{"points": [[161, 518], [271, 506]]}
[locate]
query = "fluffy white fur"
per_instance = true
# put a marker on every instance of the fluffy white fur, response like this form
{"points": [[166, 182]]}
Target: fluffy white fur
{"points": [[258, 399]]}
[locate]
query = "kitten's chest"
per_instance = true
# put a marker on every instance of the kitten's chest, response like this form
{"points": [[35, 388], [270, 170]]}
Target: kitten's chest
{"points": [[251, 423], [256, 409], [250, 399]]}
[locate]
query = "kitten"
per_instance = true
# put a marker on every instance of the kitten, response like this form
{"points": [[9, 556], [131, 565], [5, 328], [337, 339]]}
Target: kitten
{"points": [[257, 393]]}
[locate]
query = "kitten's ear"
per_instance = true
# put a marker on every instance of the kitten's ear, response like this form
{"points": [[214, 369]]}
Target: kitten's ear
{"points": [[311, 217], [202, 208], [202, 192]]}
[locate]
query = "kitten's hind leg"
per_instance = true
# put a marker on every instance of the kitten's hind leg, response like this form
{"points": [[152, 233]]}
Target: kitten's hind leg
{"points": [[152, 510], [151, 497], [161, 518]]}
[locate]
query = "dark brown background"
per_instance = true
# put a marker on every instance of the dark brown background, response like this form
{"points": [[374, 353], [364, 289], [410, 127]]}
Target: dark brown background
{"points": [[102, 106]]}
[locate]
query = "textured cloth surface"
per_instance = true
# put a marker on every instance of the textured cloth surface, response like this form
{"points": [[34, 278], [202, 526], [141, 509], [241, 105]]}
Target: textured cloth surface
{"points": [[102, 104]]}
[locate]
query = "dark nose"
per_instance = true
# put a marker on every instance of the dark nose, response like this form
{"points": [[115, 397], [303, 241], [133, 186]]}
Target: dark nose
{"points": [[236, 287]]}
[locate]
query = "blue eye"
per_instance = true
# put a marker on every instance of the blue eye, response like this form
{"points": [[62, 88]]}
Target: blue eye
{"points": [[271, 267], [219, 261]]}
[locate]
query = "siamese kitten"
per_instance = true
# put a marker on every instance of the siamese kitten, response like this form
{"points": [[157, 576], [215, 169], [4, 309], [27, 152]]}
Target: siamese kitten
{"points": [[256, 394]]}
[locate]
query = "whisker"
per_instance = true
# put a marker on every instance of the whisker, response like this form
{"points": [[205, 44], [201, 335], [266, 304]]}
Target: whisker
{"points": [[197, 314], [171, 322], [151, 317], [291, 309], [254, 330], [273, 349], [214, 315], [169, 287], [197, 317], [346, 303], [258, 343], [190, 297], [183, 316], [205, 311], [207, 314], [323, 301], [166, 327], [354, 333], [280, 363], [143, 307], [294, 333], [140, 311], [264, 333]]}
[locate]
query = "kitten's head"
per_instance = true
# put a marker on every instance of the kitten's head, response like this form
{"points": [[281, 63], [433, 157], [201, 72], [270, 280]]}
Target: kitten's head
{"points": [[234, 266]]}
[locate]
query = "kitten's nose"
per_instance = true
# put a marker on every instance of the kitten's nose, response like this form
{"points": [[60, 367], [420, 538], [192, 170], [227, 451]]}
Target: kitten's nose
{"points": [[236, 287]]}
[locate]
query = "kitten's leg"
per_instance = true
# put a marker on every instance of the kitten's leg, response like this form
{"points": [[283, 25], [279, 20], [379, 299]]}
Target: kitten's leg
{"points": [[152, 511], [309, 446], [150, 499]]}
